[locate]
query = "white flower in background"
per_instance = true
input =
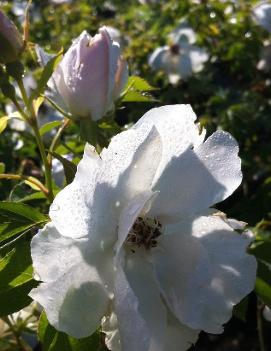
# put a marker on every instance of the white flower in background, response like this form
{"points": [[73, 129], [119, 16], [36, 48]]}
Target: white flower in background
{"points": [[264, 63], [18, 7], [58, 170], [181, 59], [91, 76], [133, 241], [262, 15], [148, 2], [183, 33], [60, 1], [24, 320], [267, 313]]}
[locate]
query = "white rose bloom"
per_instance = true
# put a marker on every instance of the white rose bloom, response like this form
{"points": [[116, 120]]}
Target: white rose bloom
{"points": [[182, 58], [262, 15], [133, 242], [183, 33]]}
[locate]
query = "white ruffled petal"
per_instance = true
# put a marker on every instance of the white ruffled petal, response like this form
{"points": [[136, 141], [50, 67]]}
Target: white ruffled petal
{"points": [[157, 58], [73, 292], [132, 302], [223, 274], [198, 57], [198, 178], [141, 313], [177, 128], [179, 337], [107, 182], [70, 210], [181, 265], [234, 271], [110, 328]]}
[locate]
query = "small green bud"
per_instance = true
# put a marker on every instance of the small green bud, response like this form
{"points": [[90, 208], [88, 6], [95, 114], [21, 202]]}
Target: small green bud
{"points": [[11, 42]]}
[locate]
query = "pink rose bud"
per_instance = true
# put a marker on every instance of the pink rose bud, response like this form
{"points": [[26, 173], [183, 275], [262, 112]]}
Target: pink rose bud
{"points": [[91, 75], [11, 42]]}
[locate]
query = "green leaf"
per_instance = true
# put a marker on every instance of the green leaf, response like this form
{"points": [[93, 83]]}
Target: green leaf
{"points": [[49, 126], [140, 84], [262, 251], [137, 96], [69, 167], [263, 287], [16, 279], [33, 197], [21, 212], [14, 299], [263, 290], [45, 76], [16, 218], [3, 123], [2, 167], [52, 340], [10, 230]]}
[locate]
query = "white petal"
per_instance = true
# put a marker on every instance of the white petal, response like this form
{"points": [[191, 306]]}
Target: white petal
{"points": [[177, 128], [179, 337], [181, 265], [127, 172], [156, 60], [262, 15], [234, 271], [113, 59], [223, 275], [198, 57], [70, 210], [184, 65], [140, 311], [72, 291], [53, 254], [133, 272], [110, 328], [183, 32], [121, 77], [103, 186], [198, 178]]}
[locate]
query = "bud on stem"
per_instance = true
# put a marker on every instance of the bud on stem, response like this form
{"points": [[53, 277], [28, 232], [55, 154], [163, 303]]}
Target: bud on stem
{"points": [[11, 42]]}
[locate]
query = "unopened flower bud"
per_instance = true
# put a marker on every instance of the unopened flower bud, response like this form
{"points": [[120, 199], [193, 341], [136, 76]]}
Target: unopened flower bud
{"points": [[11, 42], [91, 75]]}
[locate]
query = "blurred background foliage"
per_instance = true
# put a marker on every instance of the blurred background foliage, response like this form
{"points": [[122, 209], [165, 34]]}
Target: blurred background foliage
{"points": [[230, 93]]}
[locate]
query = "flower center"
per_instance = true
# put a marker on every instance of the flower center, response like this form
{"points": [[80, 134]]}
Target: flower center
{"points": [[175, 49], [144, 232]]}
